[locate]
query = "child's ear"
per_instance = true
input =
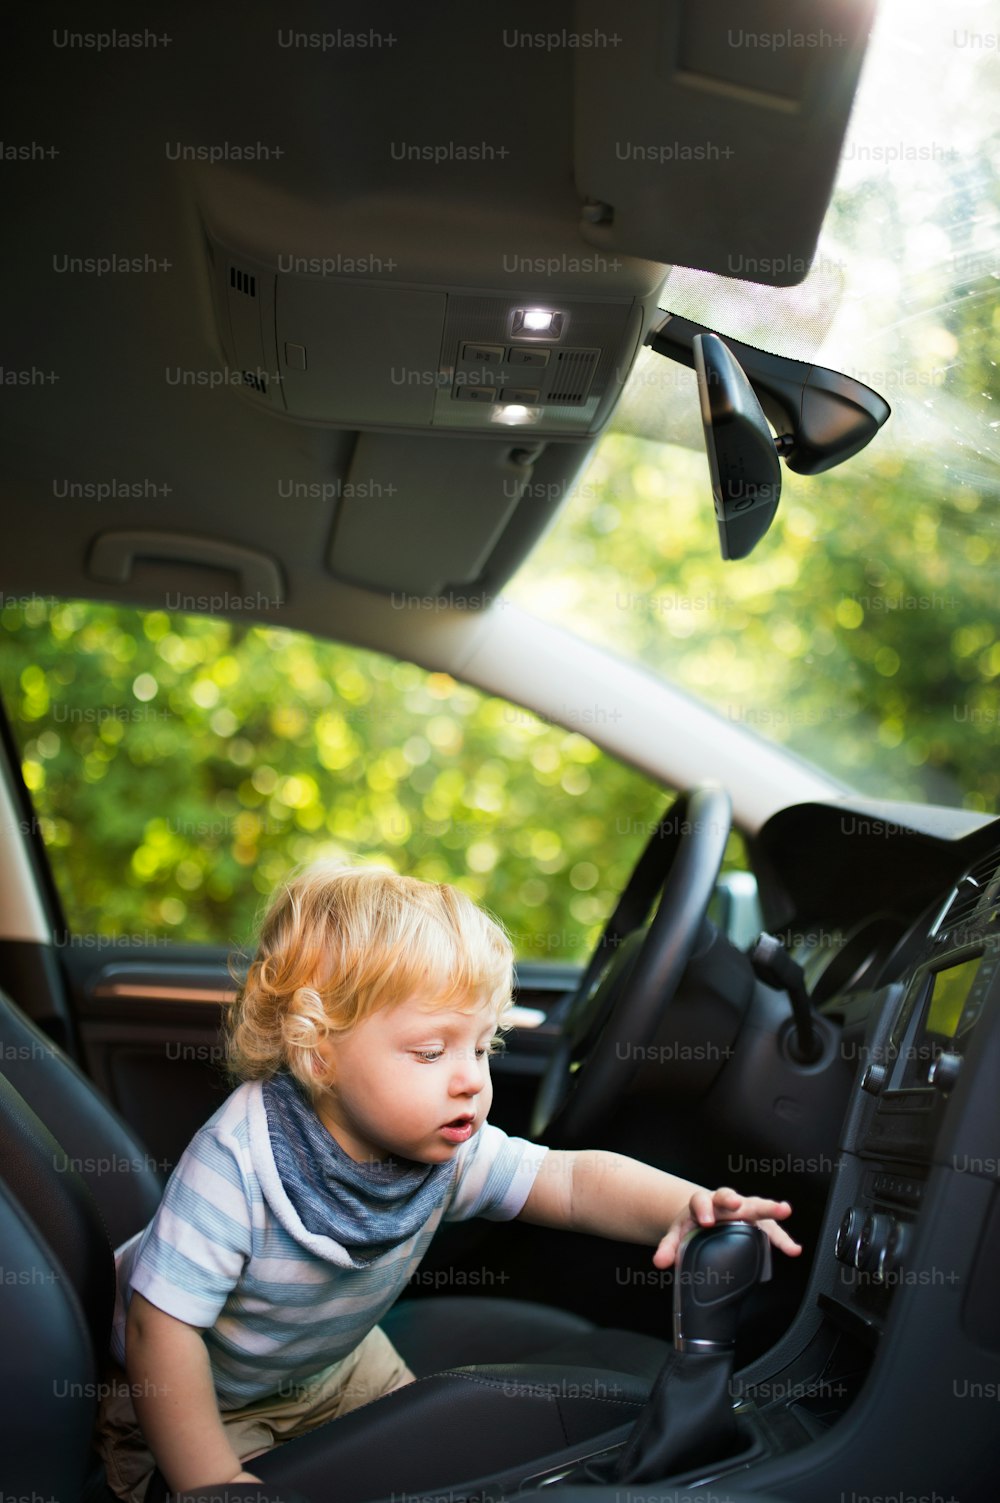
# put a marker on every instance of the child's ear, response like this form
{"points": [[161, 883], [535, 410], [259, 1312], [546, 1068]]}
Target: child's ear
{"points": [[323, 1065]]}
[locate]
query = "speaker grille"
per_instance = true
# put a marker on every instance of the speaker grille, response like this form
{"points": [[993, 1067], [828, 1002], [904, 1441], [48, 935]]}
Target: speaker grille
{"points": [[572, 377], [243, 281]]}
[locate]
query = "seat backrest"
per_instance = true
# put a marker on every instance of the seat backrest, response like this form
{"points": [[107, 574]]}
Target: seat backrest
{"points": [[49, 1375], [108, 1155], [38, 1174]]}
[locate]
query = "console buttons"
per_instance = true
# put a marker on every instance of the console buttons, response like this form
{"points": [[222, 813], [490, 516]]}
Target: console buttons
{"points": [[476, 393], [536, 358], [848, 1235], [893, 1254], [943, 1072], [899, 1245], [873, 1243], [526, 394], [874, 1079], [895, 1187], [482, 354]]}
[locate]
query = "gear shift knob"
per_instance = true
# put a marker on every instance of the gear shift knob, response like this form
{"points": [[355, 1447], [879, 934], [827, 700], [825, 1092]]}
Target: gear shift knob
{"points": [[688, 1420], [716, 1268]]}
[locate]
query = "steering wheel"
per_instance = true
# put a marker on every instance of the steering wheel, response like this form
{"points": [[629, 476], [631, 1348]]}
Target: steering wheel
{"points": [[634, 971]]}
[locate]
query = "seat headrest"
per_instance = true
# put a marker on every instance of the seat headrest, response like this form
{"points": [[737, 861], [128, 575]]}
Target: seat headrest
{"points": [[112, 1159], [40, 1176]]}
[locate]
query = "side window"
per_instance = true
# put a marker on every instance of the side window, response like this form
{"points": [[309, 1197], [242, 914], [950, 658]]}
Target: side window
{"points": [[180, 766]]}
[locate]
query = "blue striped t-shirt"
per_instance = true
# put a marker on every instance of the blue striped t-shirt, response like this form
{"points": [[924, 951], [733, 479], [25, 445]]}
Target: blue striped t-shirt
{"points": [[226, 1251]]}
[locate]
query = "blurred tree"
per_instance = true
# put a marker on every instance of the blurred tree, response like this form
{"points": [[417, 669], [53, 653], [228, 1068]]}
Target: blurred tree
{"points": [[180, 766]]}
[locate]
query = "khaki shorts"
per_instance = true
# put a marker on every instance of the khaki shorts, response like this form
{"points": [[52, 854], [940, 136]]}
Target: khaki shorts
{"points": [[374, 1368]]}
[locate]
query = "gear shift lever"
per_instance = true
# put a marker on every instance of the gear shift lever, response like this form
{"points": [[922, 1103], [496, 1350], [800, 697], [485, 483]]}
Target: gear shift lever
{"points": [[716, 1268], [688, 1419]]}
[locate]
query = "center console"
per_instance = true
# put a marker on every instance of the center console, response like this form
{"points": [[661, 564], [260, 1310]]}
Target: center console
{"points": [[882, 1375], [883, 1380], [905, 1089]]}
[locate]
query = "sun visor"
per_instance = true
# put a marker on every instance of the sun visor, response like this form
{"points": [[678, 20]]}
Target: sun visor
{"points": [[709, 135], [399, 528]]}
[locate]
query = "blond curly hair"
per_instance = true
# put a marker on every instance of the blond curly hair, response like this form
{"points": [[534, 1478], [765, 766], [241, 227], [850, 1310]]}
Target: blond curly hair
{"points": [[339, 943]]}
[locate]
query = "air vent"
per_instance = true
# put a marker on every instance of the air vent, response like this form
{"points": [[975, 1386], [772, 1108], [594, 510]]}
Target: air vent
{"points": [[256, 380], [243, 281], [978, 888], [572, 377]]}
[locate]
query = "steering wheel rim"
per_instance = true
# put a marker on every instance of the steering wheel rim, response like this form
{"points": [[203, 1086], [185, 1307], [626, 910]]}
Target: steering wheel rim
{"points": [[619, 1006]]}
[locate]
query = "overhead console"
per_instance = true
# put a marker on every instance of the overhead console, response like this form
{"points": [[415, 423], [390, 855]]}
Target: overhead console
{"points": [[419, 317], [381, 355], [415, 322]]}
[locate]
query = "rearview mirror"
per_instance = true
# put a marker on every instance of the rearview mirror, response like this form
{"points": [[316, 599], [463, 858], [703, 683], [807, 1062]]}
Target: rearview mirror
{"points": [[742, 456]]}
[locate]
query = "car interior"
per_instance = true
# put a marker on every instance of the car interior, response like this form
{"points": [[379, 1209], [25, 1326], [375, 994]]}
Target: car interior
{"points": [[319, 320]]}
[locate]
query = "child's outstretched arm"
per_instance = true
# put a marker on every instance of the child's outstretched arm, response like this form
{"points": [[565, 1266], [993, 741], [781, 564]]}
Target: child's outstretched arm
{"points": [[174, 1399], [614, 1196]]}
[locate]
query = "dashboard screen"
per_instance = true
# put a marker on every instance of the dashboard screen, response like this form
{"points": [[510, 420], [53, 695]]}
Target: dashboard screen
{"points": [[951, 987]]}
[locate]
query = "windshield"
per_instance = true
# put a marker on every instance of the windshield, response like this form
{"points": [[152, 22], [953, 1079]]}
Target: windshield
{"points": [[861, 633]]}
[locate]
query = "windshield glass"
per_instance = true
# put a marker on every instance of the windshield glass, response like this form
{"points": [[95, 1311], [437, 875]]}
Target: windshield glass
{"points": [[861, 633]]}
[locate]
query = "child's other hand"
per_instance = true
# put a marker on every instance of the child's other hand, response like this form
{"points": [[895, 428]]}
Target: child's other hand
{"points": [[244, 1477], [706, 1207]]}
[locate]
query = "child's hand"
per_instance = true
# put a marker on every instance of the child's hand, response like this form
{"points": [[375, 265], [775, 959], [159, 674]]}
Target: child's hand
{"points": [[706, 1207], [243, 1477]]}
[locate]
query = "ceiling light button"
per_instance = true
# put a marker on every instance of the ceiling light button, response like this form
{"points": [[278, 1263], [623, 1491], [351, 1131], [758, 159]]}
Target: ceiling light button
{"points": [[476, 393], [536, 358], [482, 354]]}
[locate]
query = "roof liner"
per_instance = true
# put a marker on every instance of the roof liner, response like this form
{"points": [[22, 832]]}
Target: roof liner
{"points": [[123, 415]]}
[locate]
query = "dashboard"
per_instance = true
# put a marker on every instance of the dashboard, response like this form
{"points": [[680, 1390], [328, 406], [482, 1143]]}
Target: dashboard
{"points": [[899, 1328], [933, 1013]]}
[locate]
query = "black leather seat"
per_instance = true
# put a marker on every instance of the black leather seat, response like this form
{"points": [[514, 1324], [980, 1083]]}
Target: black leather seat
{"points": [[111, 1159], [75, 1182]]}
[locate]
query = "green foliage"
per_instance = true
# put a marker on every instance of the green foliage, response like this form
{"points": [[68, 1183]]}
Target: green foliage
{"points": [[860, 634], [180, 766]]}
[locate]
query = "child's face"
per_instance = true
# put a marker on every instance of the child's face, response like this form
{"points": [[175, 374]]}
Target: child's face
{"points": [[404, 1073]]}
